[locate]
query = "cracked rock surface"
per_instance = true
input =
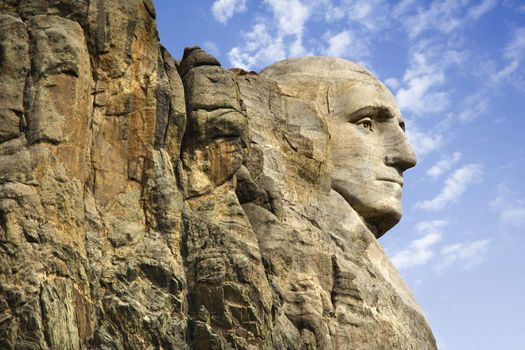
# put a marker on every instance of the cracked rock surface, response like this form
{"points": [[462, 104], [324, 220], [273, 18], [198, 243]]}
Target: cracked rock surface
{"points": [[149, 203]]}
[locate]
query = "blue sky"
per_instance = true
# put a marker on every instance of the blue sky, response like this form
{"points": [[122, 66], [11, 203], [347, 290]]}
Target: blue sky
{"points": [[456, 68]]}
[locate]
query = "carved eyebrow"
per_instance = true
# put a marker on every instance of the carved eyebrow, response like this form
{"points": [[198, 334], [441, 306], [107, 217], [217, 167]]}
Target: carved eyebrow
{"points": [[371, 111]]}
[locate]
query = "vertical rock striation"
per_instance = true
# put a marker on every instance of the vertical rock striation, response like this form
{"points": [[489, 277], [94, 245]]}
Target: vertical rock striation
{"points": [[92, 116]]}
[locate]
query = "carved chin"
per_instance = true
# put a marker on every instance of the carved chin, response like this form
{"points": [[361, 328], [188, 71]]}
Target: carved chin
{"points": [[383, 222], [379, 213]]}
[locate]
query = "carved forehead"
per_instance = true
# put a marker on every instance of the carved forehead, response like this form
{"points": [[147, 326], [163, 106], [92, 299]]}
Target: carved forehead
{"points": [[310, 78]]}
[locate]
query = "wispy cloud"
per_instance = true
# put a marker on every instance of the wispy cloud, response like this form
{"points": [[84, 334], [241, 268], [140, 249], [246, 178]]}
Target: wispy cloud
{"points": [[369, 15], [291, 15], [285, 23], [481, 9], [421, 250], [425, 250], [432, 226], [472, 107], [223, 10], [514, 54], [513, 216], [509, 206], [444, 165], [440, 16], [443, 16], [345, 44], [338, 44], [422, 91], [260, 48], [423, 142], [466, 254], [454, 187], [271, 40]]}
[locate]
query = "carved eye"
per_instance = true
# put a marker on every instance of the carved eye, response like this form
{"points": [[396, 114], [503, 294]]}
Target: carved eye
{"points": [[366, 123]]}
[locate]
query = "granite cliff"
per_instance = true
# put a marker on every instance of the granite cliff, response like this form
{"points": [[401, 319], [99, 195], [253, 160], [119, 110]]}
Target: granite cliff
{"points": [[149, 203]]}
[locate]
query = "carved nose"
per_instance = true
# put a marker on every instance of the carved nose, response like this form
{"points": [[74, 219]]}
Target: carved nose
{"points": [[401, 157]]}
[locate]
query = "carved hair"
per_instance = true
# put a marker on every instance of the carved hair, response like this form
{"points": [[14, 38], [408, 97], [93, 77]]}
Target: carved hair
{"points": [[319, 67]]}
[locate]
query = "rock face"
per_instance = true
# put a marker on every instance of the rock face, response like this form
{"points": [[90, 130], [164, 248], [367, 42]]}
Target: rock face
{"points": [[147, 203]]}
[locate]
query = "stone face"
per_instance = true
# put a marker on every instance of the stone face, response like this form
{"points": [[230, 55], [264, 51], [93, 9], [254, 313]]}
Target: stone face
{"points": [[149, 203], [332, 283]]}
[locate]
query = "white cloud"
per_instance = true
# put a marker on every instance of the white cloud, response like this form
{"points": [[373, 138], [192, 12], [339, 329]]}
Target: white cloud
{"points": [[423, 142], [372, 15], [365, 15], [482, 8], [268, 42], [511, 210], [362, 9], [290, 14], [454, 187], [514, 54], [423, 250], [445, 164], [339, 44], [402, 7], [513, 216], [515, 50], [330, 11], [345, 44], [472, 107], [432, 226], [296, 48], [443, 16], [419, 252], [223, 10], [416, 97], [425, 83], [421, 94], [260, 48], [286, 21], [467, 255]]}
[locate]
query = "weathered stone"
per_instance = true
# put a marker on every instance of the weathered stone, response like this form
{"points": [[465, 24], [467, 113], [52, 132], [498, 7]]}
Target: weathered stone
{"points": [[336, 287], [152, 204], [14, 67], [60, 71], [216, 131], [75, 10], [85, 262], [176, 121]]}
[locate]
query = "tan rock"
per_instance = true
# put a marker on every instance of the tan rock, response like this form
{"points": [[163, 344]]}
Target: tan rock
{"points": [[14, 66], [334, 149]]}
